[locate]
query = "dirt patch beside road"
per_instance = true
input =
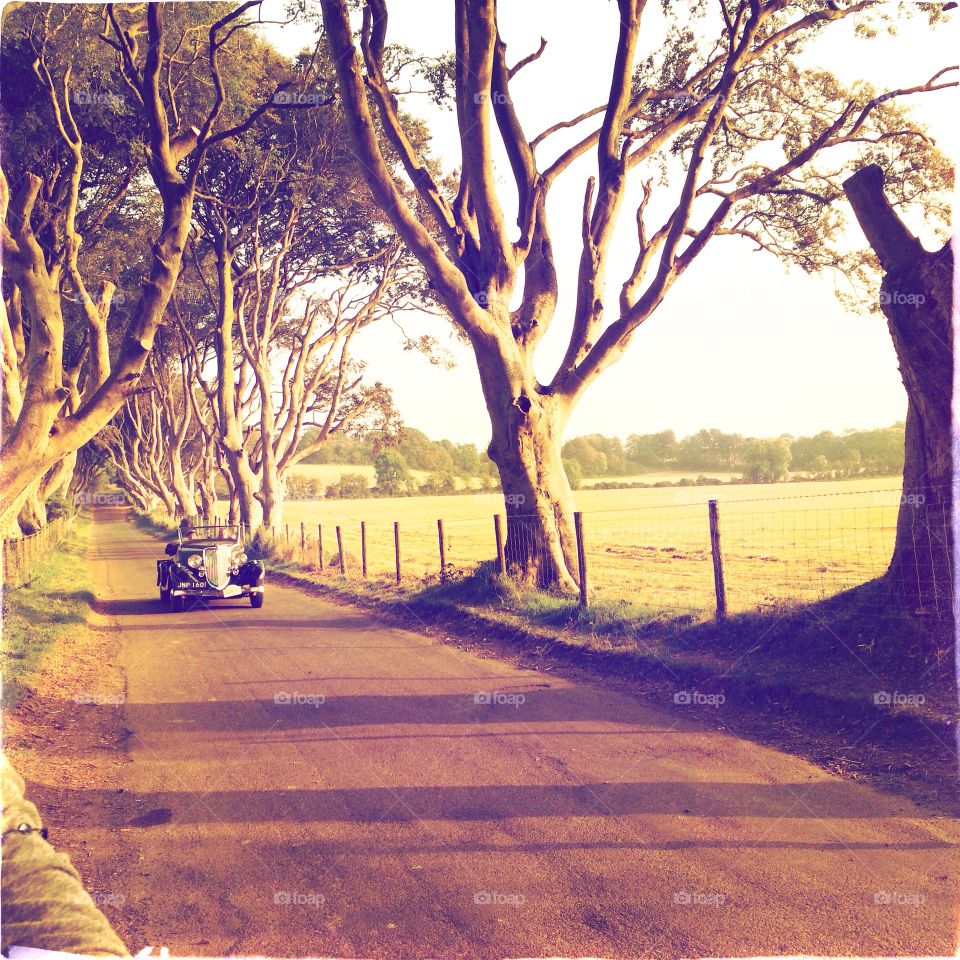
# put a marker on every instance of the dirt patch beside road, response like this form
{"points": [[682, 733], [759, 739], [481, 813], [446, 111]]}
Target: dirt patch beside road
{"points": [[65, 731]]}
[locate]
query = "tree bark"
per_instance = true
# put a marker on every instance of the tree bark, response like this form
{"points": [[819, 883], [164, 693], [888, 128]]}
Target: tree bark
{"points": [[232, 439], [916, 296], [32, 515], [527, 429], [272, 492]]}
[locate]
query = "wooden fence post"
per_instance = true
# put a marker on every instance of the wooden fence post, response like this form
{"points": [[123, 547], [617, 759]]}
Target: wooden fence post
{"points": [[320, 546], [396, 546], [581, 556], [286, 531], [363, 547], [303, 541], [443, 552], [718, 582], [498, 533], [343, 559]]}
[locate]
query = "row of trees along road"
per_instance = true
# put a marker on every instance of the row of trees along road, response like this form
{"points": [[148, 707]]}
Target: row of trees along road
{"points": [[188, 256], [189, 251], [754, 143]]}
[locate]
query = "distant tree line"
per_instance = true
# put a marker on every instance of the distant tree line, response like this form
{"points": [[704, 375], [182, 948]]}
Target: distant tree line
{"points": [[826, 455], [419, 452], [451, 466]]}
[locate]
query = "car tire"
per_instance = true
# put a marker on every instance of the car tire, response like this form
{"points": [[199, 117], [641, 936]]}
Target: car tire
{"points": [[256, 600], [176, 604], [164, 594]]}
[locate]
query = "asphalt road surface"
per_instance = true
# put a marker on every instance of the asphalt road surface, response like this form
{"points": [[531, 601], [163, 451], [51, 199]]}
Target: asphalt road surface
{"points": [[306, 781]]}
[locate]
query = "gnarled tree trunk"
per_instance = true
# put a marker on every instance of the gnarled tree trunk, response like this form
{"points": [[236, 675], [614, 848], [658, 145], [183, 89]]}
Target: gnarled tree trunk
{"points": [[527, 429], [916, 297]]}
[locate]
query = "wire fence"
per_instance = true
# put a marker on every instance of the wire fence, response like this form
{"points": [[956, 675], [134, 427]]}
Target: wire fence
{"points": [[725, 557], [21, 553]]}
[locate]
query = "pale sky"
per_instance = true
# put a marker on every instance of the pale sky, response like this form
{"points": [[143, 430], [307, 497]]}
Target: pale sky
{"points": [[739, 343]]}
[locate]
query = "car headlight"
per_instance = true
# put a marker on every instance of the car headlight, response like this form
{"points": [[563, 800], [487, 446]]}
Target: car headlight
{"points": [[240, 557], [194, 561]]}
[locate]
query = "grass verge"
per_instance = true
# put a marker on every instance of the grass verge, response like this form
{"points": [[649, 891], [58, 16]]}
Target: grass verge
{"points": [[55, 599]]}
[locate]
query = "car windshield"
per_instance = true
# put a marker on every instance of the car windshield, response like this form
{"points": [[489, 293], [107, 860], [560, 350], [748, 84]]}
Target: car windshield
{"points": [[219, 533]]}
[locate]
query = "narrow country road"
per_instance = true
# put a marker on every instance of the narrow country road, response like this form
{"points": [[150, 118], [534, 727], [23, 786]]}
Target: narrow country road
{"points": [[305, 781]]}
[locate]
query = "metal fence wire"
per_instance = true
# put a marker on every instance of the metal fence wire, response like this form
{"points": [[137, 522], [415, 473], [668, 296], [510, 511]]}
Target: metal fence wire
{"points": [[760, 553]]}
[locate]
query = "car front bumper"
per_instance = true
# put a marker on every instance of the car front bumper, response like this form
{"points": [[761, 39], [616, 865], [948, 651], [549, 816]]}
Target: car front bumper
{"points": [[211, 593]]}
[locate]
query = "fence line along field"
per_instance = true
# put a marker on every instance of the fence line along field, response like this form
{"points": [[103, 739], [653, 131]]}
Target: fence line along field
{"points": [[781, 543]]}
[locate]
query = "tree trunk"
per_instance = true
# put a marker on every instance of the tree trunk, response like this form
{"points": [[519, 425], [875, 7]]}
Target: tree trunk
{"points": [[232, 436], [181, 488], [38, 441], [916, 297], [208, 502], [272, 492], [527, 433], [244, 486], [32, 516]]}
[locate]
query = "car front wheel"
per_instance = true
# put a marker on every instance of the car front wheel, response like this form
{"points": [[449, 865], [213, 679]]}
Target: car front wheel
{"points": [[176, 604], [256, 600]]}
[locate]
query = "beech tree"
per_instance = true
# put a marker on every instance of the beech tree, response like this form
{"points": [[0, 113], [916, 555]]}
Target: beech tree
{"points": [[161, 448], [171, 63], [258, 420], [722, 124], [917, 299], [296, 259]]}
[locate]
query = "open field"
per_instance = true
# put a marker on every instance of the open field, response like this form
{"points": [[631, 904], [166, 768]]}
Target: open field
{"points": [[781, 542], [327, 473]]}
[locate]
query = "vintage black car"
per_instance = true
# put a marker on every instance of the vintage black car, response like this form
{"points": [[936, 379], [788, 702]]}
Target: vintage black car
{"points": [[209, 563]]}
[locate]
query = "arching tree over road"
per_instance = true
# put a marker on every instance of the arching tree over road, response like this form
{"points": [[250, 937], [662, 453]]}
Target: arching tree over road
{"points": [[727, 128]]}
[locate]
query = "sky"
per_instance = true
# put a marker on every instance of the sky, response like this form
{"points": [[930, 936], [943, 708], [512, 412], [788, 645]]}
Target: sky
{"points": [[739, 343]]}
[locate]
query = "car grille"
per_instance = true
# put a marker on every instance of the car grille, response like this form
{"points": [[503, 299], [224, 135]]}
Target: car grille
{"points": [[217, 568]]}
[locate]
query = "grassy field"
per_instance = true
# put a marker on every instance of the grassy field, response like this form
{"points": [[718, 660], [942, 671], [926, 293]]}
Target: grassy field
{"points": [[327, 473], [782, 543]]}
